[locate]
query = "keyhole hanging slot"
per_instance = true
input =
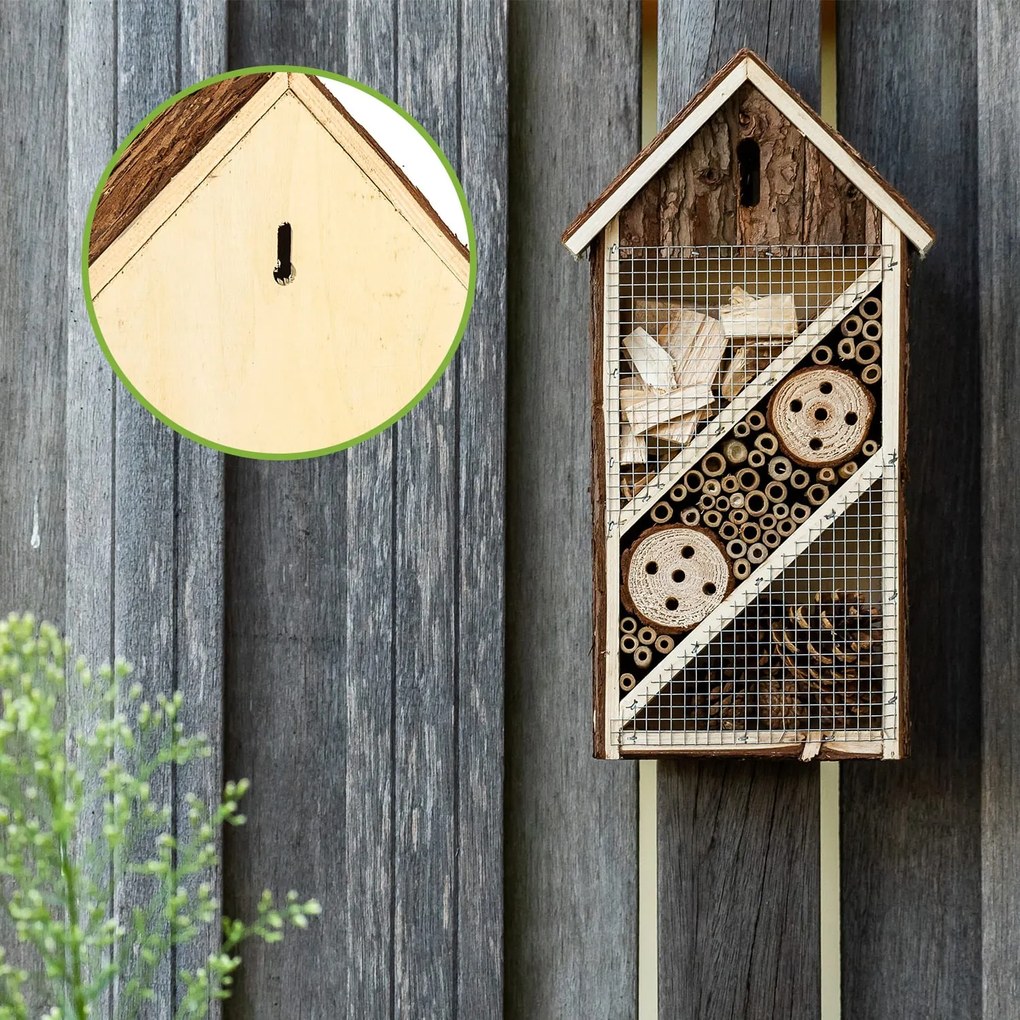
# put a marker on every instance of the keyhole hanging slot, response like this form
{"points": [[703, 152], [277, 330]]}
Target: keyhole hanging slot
{"points": [[284, 271], [749, 163]]}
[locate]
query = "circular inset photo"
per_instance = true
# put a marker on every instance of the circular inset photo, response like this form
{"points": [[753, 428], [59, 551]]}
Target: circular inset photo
{"points": [[279, 262]]}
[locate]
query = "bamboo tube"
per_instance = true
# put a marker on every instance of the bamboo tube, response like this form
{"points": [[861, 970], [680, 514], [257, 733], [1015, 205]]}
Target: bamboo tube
{"points": [[691, 516], [735, 451], [871, 307], [851, 325], [799, 512], [628, 644], [741, 430], [722, 503], [871, 374], [780, 468], [712, 518], [738, 516], [736, 548], [755, 420], [767, 443], [750, 532], [767, 521], [647, 635], [818, 494], [678, 493], [775, 491], [642, 656], [872, 330], [780, 510], [756, 458], [694, 480], [757, 553], [730, 483], [846, 348], [662, 512], [786, 527], [737, 499], [847, 469], [821, 355], [712, 487], [706, 502], [748, 479], [756, 503], [627, 682], [800, 479], [741, 570], [870, 448], [664, 644], [728, 530], [867, 352], [713, 464], [628, 624], [827, 475], [771, 539]]}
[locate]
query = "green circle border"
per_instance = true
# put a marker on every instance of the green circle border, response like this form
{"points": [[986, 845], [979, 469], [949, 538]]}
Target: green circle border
{"points": [[472, 252]]}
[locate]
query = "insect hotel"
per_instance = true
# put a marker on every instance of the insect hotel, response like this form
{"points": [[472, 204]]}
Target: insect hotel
{"points": [[749, 275]]}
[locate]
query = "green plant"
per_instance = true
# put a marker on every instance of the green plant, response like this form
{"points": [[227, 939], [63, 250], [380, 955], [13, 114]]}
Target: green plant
{"points": [[79, 815]]}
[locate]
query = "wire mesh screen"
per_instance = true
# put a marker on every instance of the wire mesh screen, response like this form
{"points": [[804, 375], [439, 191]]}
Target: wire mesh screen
{"points": [[754, 499]]}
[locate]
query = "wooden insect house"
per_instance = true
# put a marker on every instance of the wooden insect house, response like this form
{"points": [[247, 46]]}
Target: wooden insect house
{"points": [[749, 275]]}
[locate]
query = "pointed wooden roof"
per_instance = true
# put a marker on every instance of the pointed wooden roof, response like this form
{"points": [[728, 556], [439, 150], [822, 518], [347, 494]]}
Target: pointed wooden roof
{"points": [[215, 117], [746, 66]]}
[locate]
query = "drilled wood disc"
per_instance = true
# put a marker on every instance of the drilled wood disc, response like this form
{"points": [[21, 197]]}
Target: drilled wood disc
{"points": [[821, 415], [674, 577]]}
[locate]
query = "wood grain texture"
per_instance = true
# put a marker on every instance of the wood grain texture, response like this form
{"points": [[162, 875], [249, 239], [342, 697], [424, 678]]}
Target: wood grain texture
{"points": [[571, 882], [998, 43], [747, 942], [911, 888], [33, 315]]}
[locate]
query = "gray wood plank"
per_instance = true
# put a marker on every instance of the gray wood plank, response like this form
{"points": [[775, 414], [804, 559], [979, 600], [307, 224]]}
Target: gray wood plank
{"points": [[33, 314], [738, 842], [911, 885], [368, 824], [428, 557], [570, 830], [481, 368], [998, 43], [296, 32]]}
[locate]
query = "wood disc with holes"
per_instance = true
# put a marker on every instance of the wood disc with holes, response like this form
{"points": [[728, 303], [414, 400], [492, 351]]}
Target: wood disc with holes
{"points": [[673, 577], [821, 416]]}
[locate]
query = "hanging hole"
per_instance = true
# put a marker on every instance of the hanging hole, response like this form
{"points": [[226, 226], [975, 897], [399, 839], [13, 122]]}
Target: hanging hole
{"points": [[749, 162], [283, 272]]}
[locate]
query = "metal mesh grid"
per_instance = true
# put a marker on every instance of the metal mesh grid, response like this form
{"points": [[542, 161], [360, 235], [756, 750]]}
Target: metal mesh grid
{"points": [[692, 327], [816, 650]]}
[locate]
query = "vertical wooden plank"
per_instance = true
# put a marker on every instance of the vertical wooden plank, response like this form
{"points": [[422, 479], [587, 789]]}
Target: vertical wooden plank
{"points": [[428, 563], [998, 43], [481, 368], [570, 831], [33, 314], [738, 842], [911, 902], [368, 828]]}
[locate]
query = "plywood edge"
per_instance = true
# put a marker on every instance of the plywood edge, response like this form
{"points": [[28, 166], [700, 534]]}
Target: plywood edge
{"points": [[189, 177], [600, 587], [377, 165]]}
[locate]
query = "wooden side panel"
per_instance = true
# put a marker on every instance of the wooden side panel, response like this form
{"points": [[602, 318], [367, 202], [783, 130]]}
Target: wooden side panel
{"points": [[571, 888], [738, 842], [911, 887], [998, 45]]}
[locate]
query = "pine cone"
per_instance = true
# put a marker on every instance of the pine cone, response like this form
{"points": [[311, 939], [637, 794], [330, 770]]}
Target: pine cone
{"points": [[779, 706]]}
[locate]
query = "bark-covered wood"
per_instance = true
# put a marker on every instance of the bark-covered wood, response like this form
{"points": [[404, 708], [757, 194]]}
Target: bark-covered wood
{"points": [[999, 241], [571, 885], [746, 946], [911, 887]]}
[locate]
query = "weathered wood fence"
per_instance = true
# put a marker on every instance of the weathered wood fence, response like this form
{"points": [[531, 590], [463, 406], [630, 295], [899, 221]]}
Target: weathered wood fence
{"points": [[417, 732]]}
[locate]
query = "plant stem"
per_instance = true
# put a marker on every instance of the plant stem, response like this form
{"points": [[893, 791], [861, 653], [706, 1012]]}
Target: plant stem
{"points": [[71, 892]]}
